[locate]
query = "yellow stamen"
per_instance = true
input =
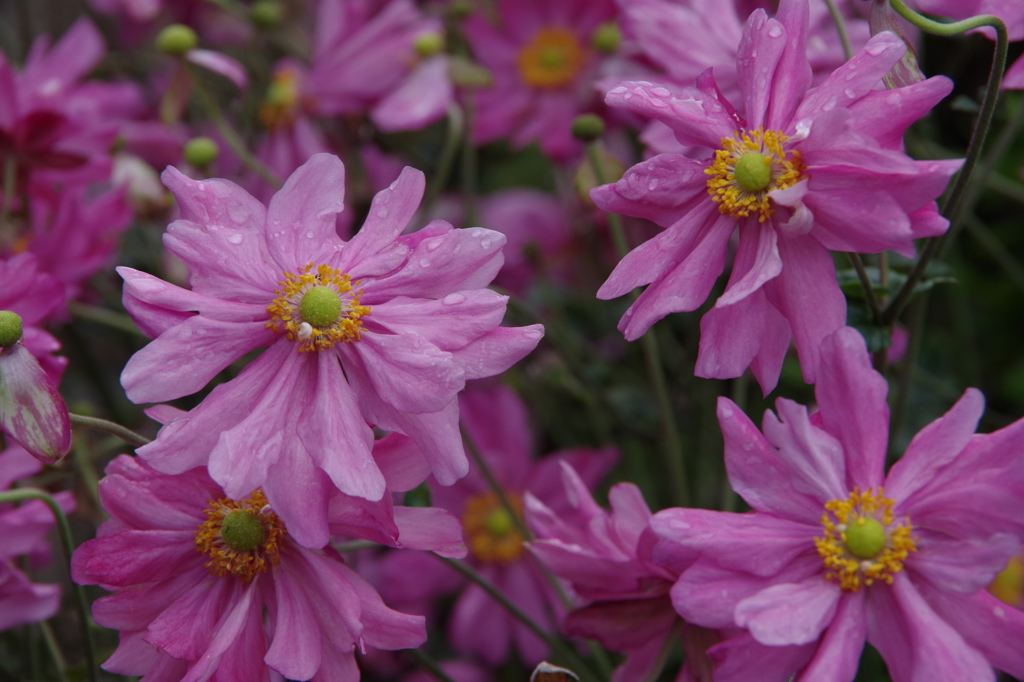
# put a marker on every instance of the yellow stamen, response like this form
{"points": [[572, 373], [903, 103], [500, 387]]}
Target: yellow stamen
{"points": [[843, 561], [552, 59], [1009, 584], [226, 560], [317, 333], [748, 194], [490, 532], [282, 102]]}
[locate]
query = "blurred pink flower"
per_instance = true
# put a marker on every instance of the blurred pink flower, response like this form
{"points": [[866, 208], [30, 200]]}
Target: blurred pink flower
{"points": [[23, 531], [406, 316], [207, 585], [543, 65], [495, 419], [836, 552], [805, 172]]}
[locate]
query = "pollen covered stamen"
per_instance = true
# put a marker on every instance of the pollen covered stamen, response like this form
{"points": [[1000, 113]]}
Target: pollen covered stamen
{"points": [[552, 59], [318, 308], [862, 543], [241, 538], [749, 166], [490, 530]]}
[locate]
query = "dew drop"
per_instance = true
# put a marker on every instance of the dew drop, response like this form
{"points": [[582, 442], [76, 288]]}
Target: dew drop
{"points": [[829, 105], [775, 31], [310, 234], [382, 212], [485, 244], [453, 299], [424, 262], [661, 92], [236, 238], [433, 244], [876, 49], [849, 92], [652, 185]]}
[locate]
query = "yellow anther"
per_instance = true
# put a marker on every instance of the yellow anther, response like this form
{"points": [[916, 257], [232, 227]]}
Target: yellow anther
{"points": [[319, 326], [490, 531], [552, 59], [749, 166], [231, 539]]}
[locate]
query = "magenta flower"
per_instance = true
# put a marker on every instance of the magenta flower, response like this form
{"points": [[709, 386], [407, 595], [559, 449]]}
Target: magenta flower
{"points": [[495, 419], [32, 411], [206, 585], [543, 65], [23, 530], [383, 329], [803, 173], [606, 557], [836, 552]]}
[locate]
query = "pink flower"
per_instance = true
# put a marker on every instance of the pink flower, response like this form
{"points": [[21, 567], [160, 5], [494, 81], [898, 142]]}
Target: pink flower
{"points": [[805, 172], [32, 411], [606, 557], [206, 585], [405, 316], [496, 421], [23, 530], [836, 552], [543, 65]]}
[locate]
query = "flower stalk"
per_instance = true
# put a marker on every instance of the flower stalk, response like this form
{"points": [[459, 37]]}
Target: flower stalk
{"points": [[96, 424]]}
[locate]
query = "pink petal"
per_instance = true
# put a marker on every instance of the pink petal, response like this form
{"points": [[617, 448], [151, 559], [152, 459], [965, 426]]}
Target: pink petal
{"points": [[622, 625], [964, 566], [390, 213], [480, 626], [757, 58], [742, 658], [430, 529], [384, 628], [135, 557], [814, 457], [23, 601], [987, 624], [301, 216], [662, 189], [449, 323], [790, 613], [851, 397], [197, 350], [422, 98], [184, 629], [759, 474], [792, 75], [156, 292], [295, 650], [299, 493], [401, 462], [409, 373], [757, 261], [838, 655], [915, 642], [936, 445], [497, 350], [220, 64], [244, 614], [885, 115], [808, 297], [693, 114]]}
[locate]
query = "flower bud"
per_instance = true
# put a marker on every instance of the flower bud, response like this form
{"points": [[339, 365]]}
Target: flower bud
{"points": [[460, 9], [468, 74], [607, 37], [10, 328], [177, 39], [429, 43], [587, 127], [200, 151], [32, 413], [266, 13]]}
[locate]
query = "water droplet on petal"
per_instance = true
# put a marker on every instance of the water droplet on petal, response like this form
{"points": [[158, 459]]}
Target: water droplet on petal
{"points": [[236, 238], [849, 92], [310, 234], [829, 105], [775, 31], [424, 262], [433, 244], [453, 299], [661, 92], [382, 212]]}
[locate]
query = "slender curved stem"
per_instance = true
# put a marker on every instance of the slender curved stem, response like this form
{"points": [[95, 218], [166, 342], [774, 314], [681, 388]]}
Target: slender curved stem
{"points": [[840, 21], [495, 486], [446, 162], [672, 445], [954, 203], [10, 174], [865, 284], [556, 644], [666, 648], [230, 135], [429, 664], [104, 316], [96, 424], [64, 531]]}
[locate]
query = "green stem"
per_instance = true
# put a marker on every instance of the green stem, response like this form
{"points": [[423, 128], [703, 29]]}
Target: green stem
{"points": [[672, 446], [230, 135], [54, 647], [555, 644], [469, 163], [995, 248], [127, 435], [954, 202], [64, 531], [356, 546], [106, 317], [446, 162], [429, 664], [840, 21], [10, 175], [495, 486], [865, 284]]}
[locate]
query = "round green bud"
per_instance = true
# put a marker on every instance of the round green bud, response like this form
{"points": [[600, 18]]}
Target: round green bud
{"points": [[177, 39], [242, 531], [460, 9], [10, 328], [200, 151], [266, 13], [587, 127], [865, 537], [607, 37], [320, 306], [429, 43], [499, 523], [753, 171]]}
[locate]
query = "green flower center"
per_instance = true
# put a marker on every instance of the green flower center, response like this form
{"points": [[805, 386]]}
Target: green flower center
{"points": [[320, 306], [499, 523], [753, 171], [242, 531], [10, 328], [865, 537]]}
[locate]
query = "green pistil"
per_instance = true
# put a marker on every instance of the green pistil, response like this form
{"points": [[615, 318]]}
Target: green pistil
{"points": [[320, 306], [552, 57], [242, 531], [10, 328], [499, 523], [865, 537], [753, 171]]}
